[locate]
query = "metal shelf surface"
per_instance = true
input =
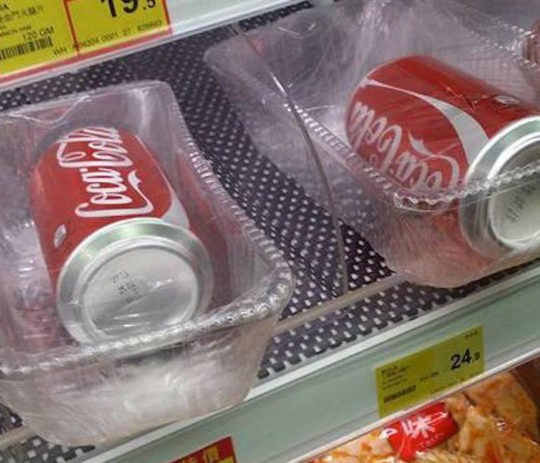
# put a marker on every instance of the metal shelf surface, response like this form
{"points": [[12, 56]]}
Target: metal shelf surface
{"points": [[191, 16]]}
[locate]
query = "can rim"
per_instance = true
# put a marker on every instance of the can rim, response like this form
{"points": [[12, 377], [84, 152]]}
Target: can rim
{"points": [[110, 242], [476, 221]]}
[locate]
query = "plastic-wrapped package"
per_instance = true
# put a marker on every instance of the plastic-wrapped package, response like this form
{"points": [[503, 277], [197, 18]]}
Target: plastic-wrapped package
{"points": [[437, 217], [496, 420], [130, 297]]}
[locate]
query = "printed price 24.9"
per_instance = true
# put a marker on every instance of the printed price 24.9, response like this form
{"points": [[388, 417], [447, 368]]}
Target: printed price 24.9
{"points": [[458, 360]]}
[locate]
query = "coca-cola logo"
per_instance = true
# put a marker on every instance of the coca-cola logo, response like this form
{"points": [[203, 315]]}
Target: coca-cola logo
{"points": [[397, 152], [394, 149], [106, 171]]}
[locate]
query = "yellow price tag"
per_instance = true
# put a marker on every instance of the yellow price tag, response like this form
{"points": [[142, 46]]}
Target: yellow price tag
{"points": [[98, 24], [32, 33], [418, 376]]}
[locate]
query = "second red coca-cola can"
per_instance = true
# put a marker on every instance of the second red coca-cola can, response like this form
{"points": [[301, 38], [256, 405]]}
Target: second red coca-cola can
{"points": [[431, 128], [116, 240]]}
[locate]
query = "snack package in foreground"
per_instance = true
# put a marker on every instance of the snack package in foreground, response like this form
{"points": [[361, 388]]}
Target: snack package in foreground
{"points": [[133, 288], [428, 133], [494, 421]]}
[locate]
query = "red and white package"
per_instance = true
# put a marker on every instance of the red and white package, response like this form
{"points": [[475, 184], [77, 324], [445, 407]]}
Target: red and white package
{"points": [[421, 431], [495, 421]]}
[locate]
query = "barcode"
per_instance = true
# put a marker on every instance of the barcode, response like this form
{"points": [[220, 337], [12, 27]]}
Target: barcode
{"points": [[398, 394], [25, 48]]}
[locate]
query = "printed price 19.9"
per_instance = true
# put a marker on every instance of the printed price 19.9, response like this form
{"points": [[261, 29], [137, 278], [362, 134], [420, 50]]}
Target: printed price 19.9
{"points": [[128, 6]]}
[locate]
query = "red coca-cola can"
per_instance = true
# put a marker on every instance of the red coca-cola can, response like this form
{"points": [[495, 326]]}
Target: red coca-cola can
{"points": [[430, 128], [115, 238]]}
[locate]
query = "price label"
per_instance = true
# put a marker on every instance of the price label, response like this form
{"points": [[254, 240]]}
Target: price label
{"points": [[106, 24], [32, 33], [219, 452], [418, 376], [39, 34]]}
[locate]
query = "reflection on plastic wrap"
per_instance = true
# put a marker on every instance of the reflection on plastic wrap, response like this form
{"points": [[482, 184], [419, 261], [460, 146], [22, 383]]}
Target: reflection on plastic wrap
{"points": [[494, 421], [322, 55]]}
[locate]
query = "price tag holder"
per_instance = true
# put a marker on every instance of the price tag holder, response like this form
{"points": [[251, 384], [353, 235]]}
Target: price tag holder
{"points": [[418, 376], [102, 25]]}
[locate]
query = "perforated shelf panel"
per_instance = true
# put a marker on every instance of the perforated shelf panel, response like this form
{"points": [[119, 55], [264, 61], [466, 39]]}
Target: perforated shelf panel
{"points": [[299, 227]]}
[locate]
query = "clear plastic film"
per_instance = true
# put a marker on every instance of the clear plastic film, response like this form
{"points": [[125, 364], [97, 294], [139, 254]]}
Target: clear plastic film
{"points": [[286, 135], [434, 201], [520, 13], [138, 318], [494, 420], [513, 25]]}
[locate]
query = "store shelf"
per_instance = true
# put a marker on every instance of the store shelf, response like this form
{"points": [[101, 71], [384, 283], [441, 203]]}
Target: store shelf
{"points": [[316, 382], [332, 398]]}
